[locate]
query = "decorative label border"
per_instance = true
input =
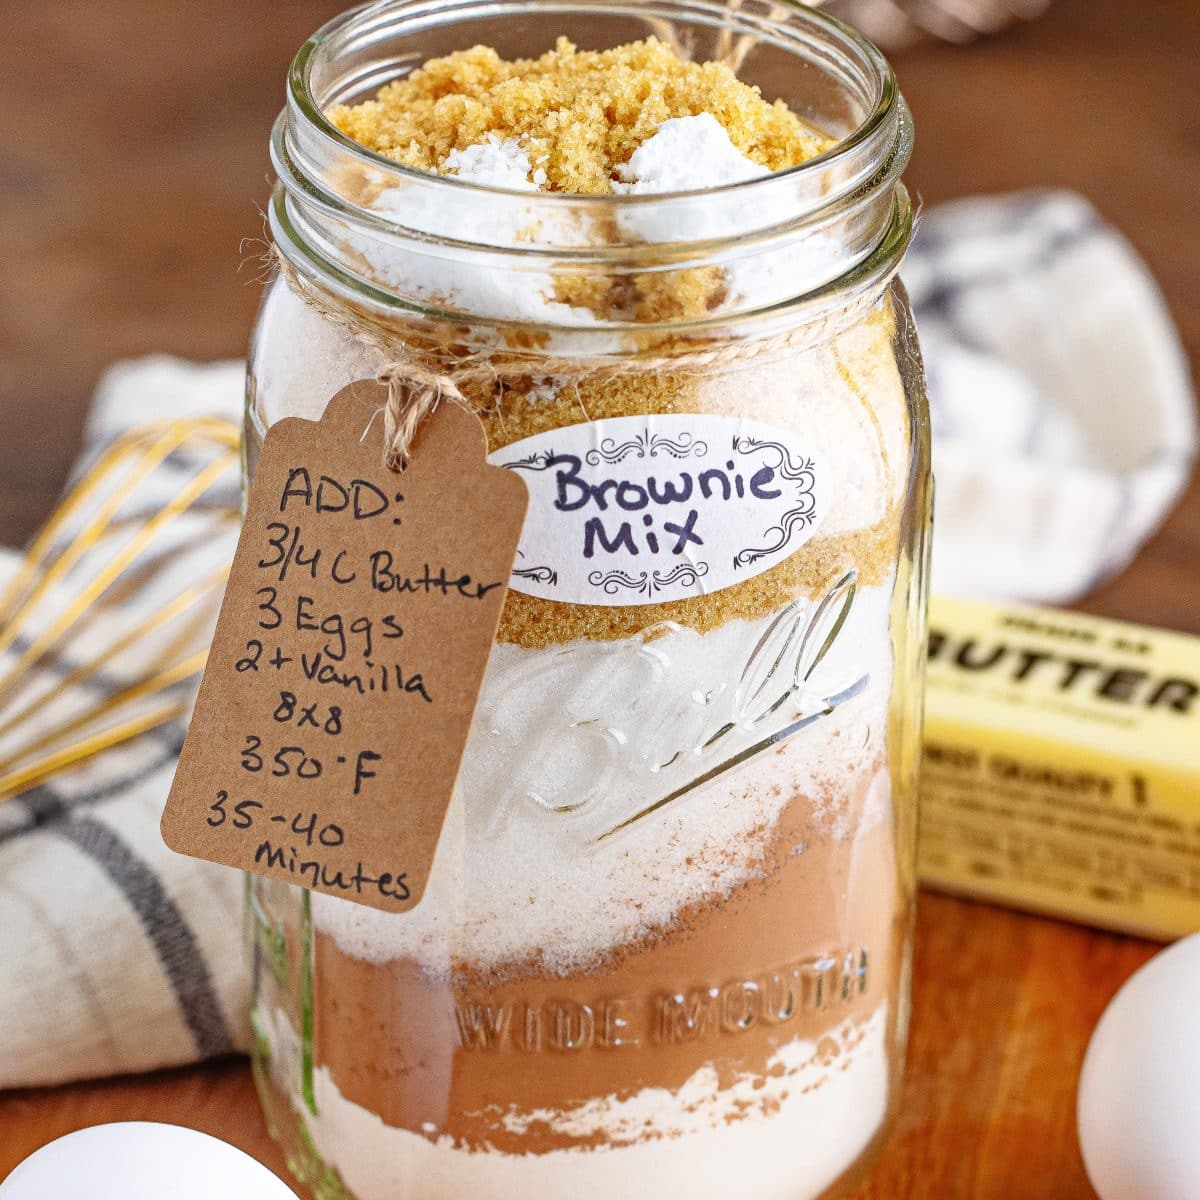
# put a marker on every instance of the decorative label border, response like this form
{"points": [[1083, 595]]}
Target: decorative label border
{"points": [[652, 509]]}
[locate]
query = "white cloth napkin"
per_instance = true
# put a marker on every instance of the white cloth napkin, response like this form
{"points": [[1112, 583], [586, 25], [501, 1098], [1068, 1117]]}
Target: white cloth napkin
{"points": [[1064, 425], [1064, 429]]}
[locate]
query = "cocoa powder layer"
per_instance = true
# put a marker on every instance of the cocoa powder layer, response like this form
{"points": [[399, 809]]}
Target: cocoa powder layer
{"points": [[725, 986]]}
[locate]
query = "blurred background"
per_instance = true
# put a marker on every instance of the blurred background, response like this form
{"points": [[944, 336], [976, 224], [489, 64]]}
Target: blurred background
{"points": [[133, 163], [133, 160]]}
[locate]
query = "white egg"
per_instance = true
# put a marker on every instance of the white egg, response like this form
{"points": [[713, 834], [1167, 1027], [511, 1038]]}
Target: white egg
{"points": [[138, 1160], [1139, 1094]]}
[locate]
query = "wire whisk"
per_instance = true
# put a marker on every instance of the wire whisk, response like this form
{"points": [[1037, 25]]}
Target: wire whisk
{"points": [[109, 612]]}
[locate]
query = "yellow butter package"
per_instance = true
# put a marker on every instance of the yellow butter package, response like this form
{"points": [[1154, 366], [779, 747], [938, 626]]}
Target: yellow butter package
{"points": [[1061, 770]]}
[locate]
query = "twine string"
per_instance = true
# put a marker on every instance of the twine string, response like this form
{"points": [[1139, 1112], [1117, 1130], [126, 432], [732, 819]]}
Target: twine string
{"points": [[413, 394]]}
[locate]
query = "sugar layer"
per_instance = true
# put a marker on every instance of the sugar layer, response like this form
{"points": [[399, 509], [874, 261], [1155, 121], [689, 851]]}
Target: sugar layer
{"points": [[846, 397]]}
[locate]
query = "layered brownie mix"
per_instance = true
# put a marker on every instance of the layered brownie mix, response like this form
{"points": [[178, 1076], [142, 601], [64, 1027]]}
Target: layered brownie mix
{"points": [[662, 935]]}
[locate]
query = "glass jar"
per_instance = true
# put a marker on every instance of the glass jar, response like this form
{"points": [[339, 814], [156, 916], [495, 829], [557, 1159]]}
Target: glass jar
{"points": [[666, 940]]}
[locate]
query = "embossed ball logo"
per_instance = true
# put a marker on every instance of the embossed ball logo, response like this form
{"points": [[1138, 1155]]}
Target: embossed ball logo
{"points": [[643, 510]]}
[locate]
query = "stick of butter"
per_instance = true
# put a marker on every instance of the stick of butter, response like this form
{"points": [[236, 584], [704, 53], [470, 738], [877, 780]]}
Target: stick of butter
{"points": [[1061, 768]]}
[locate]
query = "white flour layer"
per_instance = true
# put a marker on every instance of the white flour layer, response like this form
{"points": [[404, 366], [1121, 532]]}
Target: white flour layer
{"points": [[686, 154], [571, 742], [785, 1136], [496, 163]]}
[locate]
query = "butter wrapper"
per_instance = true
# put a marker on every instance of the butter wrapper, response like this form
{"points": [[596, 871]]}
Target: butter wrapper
{"points": [[1061, 768]]}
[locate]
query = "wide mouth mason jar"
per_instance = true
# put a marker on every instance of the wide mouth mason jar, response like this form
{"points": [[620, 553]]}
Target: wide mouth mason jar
{"points": [[666, 939]]}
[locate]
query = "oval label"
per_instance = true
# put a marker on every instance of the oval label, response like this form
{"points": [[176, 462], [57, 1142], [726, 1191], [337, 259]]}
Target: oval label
{"points": [[648, 509]]}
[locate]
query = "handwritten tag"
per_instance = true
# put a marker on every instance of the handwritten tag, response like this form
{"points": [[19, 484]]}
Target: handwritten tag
{"points": [[349, 654]]}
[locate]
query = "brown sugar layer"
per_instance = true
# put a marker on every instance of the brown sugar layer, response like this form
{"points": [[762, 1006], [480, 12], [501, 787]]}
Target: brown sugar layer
{"points": [[865, 377], [811, 573], [578, 114]]}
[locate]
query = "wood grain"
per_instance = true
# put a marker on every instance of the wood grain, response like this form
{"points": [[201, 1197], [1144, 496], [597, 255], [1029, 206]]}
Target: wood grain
{"points": [[133, 155]]}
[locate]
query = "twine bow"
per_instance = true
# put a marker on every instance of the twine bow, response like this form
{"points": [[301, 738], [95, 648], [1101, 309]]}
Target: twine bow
{"points": [[414, 393], [415, 384]]}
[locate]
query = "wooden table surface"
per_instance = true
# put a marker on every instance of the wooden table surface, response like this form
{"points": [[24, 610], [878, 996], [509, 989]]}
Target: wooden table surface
{"points": [[132, 159]]}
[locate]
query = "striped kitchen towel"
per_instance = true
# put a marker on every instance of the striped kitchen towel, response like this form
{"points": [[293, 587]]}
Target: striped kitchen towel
{"points": [[1064, 429], [115, 954]]}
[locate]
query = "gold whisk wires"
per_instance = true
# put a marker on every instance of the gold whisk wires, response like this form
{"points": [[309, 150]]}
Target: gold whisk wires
{"points": [[87, 662]]}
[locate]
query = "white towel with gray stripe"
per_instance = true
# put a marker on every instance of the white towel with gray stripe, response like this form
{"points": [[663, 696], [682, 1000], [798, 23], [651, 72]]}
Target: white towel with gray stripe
{"points": [[1064, 426], [1064, 429]]}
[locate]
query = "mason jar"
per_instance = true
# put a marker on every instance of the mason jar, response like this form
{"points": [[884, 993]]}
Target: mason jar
{"points": [[665, 944]]}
